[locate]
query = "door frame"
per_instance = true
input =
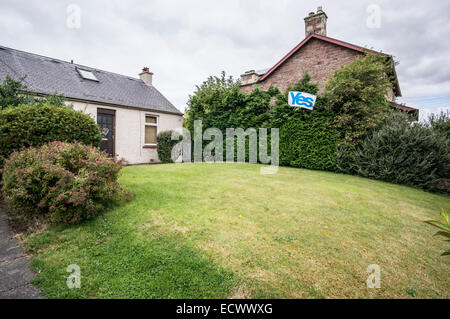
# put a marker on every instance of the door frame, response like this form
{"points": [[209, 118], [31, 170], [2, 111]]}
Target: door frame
{"points": [[113, 113]]}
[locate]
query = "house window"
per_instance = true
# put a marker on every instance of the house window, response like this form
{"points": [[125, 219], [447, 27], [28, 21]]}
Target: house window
{"points": [[151, 129]]}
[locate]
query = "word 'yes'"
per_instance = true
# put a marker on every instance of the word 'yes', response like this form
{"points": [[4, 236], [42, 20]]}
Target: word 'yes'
{"points": [[302, 99]]}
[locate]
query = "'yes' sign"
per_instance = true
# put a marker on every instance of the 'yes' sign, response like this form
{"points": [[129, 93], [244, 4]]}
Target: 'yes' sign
{"points": [[301, 99]]}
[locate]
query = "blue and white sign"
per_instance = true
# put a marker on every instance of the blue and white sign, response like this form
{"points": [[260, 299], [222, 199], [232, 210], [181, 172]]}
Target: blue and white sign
{"points": [[303, 100]]}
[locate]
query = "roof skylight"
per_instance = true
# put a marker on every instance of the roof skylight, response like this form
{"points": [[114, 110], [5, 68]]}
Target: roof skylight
{"points": [[87, 75]]}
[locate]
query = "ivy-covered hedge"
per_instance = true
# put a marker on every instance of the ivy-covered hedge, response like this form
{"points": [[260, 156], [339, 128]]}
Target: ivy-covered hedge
{"points": [[309, 140], [34, 125], [165, 146], [343, 131]]}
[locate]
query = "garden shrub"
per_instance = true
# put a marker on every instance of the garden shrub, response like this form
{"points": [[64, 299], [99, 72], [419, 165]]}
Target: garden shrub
{"points": [[309, 140], [35, 125], [401, 152], [165, 146], [63, 182]]}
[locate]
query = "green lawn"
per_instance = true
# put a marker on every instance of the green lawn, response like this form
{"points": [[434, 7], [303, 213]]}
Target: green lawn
{"points": [[224, 230]]}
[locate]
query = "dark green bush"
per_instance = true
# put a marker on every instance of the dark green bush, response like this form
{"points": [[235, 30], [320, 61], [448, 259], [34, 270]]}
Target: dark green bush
{"points": [[35, 125], [309, 140], [401, 152], [165, 146], [440, 123], [63, 182]]}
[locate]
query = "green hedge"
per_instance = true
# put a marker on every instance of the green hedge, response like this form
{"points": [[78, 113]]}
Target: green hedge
{"points": [[35, 125], [165, 145], [309, 140]]}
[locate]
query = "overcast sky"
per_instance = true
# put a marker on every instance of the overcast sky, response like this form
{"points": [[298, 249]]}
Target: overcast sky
{"points": [[183, 42]]}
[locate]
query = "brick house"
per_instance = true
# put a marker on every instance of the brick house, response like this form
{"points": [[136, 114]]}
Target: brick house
{"points": [[320, 56]]}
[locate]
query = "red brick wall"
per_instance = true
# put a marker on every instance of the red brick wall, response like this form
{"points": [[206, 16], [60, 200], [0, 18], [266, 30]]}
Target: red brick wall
{"points": [[318, 57]]}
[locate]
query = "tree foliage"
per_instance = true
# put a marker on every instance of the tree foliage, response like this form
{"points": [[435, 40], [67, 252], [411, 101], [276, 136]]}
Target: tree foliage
{"points": [[14, 93], [357, 95], [214, 102], [440, 123]]}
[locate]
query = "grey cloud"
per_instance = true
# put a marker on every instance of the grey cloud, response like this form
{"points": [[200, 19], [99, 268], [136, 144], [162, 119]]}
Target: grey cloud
{"points": [[183, 42]]}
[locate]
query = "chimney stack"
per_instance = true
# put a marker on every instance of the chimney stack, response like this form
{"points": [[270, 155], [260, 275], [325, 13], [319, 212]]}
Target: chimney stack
{"points": [[146, 76], [316, 23], [249, 77]]}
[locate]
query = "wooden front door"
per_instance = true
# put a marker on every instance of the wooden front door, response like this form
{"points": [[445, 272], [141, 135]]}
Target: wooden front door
{"points": [[106, 119]]}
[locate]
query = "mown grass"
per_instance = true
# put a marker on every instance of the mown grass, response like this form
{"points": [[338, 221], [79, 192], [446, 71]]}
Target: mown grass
{"points": [[224, 230]]}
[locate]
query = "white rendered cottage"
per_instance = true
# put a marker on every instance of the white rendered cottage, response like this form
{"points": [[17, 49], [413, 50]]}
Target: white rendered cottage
{"points": [[129, 111]]}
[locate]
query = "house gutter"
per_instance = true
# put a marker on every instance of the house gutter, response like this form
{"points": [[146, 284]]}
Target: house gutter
{"points": [[71, 99]]}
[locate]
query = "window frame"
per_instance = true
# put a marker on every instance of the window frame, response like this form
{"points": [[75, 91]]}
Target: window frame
{"points": [[84, 77], [153, 125]]}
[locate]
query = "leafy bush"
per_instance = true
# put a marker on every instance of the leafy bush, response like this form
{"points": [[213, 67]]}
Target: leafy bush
{"points": [[357, 95], [165, 146], [32, 125], [400, 152], [64, 182]]}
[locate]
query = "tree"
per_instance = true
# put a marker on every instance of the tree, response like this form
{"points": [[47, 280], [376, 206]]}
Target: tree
{"points": [[13, 93], [10, 93], [357, 95], [440, 123], [214, 102]]}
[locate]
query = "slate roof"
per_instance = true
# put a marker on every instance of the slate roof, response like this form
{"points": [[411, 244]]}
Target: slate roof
{"points": [[45, 75]]}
